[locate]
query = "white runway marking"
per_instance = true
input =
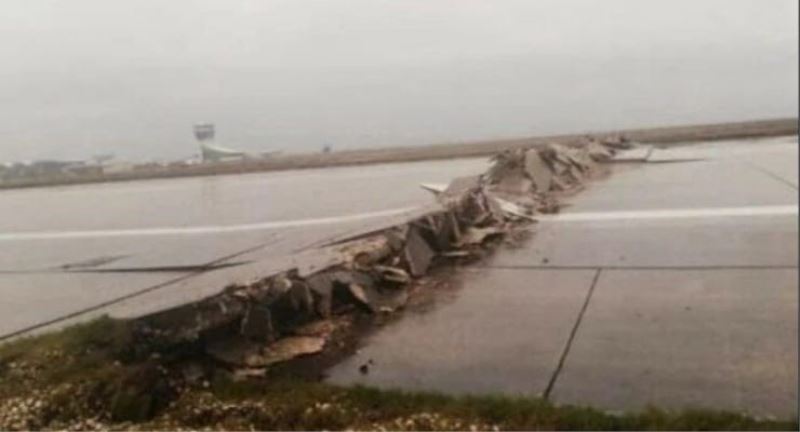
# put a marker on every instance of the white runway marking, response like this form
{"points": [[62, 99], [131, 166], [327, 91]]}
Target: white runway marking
{"points": [[207, 229], [782, 210]]}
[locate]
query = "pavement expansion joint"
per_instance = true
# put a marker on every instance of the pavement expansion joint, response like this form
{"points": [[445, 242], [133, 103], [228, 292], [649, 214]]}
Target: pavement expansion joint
{"points": [[572, 334], [772, 175], [93, 308], [163, 269], [209, 267]]}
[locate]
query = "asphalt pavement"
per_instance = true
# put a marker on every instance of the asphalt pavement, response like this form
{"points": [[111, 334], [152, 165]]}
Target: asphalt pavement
{"points": [[671, 283]]}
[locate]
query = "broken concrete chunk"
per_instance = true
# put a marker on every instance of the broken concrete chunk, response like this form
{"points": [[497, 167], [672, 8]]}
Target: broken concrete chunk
{"points": [[575, 173], [510, 209], [301, 298], [327, 285], [474, 211], [435, 188], [560, 184], [322, 328], [321, 285], [506, 163], [375, 299], [476, 236], [322, 305], [461, 185], [393, 300], [495, 208], [637, 154], [513, 183], [257, 323], [296, 305], [580, 159], [393, 274], [278, 287], [363, 252], [359, 293], [560, 168], [284, 349], [344, 278], [538, 171], [417, 253], [598, 152], [442, 230], [619, 142], [187, 322], [559, 153], [395, 238], [456, 229]]}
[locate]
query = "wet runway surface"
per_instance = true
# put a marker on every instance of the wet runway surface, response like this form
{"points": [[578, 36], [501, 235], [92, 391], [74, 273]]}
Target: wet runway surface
{"points": [[69, 250], [671, 283]]}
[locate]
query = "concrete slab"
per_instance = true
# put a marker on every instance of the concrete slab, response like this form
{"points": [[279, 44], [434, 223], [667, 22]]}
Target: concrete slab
{"points": [[191, 251], [713, 339], [693, 242], [111, 253], [712, 213], [700, 311], [29, 299], [494, 332], [227, 200], [673, 156], [636, 154], [704, 184], [193, 289], [172, 223], [780, 165], [256, 255]]}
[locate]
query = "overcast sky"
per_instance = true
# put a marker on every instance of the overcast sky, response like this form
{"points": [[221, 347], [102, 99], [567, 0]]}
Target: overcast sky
{"points": [[83, 77]]}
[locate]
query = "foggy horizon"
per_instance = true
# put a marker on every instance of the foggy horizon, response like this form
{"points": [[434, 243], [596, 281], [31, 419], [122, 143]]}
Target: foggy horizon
{"points": [[94, 77]]}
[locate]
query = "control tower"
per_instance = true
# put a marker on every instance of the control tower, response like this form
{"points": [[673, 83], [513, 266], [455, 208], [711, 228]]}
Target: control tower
{"points": [[204, 132]]}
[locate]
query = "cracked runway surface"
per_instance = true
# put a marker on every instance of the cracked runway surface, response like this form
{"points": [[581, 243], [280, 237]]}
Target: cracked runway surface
{"points": [[693, 307]]}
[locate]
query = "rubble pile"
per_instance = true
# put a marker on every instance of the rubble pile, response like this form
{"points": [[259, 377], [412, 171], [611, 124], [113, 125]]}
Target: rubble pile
{"points": [[252, 326]]}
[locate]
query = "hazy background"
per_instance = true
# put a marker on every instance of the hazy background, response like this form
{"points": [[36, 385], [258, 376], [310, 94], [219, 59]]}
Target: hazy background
{"points": [[82, 77]]}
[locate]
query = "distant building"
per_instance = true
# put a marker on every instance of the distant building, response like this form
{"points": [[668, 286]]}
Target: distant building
{"points": [[82, 170], [212, 153], [204, 132], [117, 167]]}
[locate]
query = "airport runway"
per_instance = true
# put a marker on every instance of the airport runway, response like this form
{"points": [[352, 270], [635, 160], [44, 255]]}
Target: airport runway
{"points": [[671, 283], [64, 250]]}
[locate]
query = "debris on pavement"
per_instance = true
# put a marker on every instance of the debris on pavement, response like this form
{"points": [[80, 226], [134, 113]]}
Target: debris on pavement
{"points": [[254, 325], [322, 328], [618, 142], [285, 349], [417, 252], [637, 154]]}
